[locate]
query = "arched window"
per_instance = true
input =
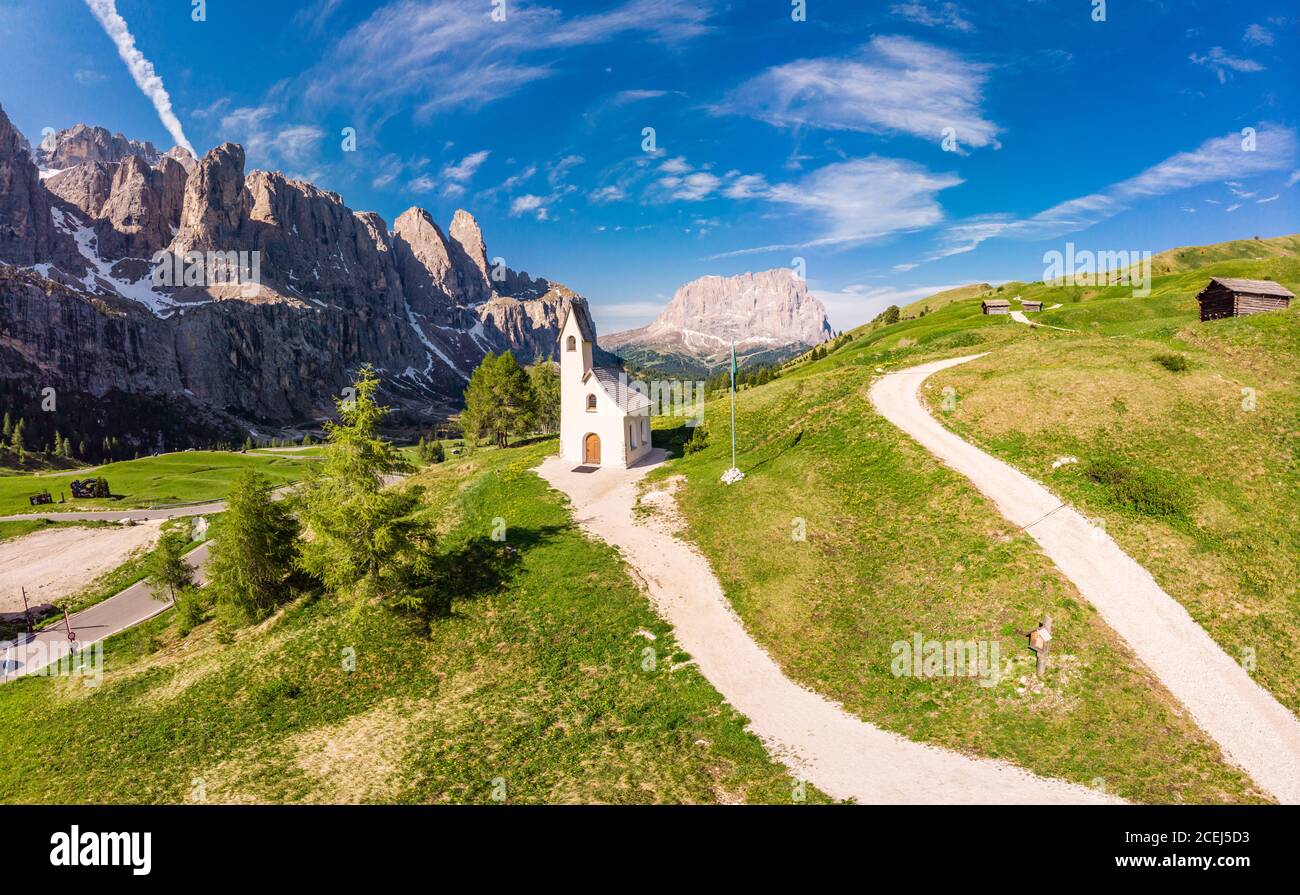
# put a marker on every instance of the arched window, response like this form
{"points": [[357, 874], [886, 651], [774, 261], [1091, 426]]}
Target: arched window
{"points": [[591, 399], [631, 435], [573, 344]]}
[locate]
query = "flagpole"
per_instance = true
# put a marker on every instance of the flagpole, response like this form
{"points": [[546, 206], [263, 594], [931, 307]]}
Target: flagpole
{"points": [[733, 475], [733, 405]]}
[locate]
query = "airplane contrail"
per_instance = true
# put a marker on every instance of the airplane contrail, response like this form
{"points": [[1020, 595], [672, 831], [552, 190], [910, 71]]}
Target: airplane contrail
{"points": [[141, 68]]}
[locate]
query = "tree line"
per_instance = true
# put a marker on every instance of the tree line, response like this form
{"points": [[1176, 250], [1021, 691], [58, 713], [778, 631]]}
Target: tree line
{"points": [[503, 400]]}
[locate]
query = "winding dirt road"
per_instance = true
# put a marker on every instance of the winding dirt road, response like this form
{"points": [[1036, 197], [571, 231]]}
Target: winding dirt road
{"points": [[818, 740], [1254, 730]]}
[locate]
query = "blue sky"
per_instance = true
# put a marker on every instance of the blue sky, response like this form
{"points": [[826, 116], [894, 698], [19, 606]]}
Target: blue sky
{"points": [[775, 139]]}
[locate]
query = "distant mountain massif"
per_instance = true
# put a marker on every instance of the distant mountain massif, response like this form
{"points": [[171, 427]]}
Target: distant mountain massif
{"points": [[83, 215], [769, 316]]}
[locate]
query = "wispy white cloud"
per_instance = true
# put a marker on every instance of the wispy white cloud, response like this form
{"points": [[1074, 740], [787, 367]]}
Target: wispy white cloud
{"points": [[627, 97], [746, 186], [1272, 198], [142, 70], [1258, 36], [1218, 159], [557, 171], [464, 169], [891, 85], [529, 203], [606, 194], [856, 201], [944, 15], [1218, 61], [693, 187], [434, 55], [314, 16], [269, 144], [677, 165]]}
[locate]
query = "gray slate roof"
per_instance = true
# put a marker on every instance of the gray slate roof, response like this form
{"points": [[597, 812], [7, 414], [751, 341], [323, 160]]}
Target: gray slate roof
{"points": [[1254, 287], [578, 307], [629, 400]]}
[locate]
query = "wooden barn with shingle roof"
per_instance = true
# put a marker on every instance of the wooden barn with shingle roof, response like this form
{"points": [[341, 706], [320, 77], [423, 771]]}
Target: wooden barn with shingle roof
{"points": [[1231, 297]]}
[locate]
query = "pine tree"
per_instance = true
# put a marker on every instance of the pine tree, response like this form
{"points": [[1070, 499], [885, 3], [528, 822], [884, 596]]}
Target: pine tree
{"points": [[8, 426], [248, 443], [166, 568], [16, 439], [253, 552], [544, 380], [364, 540], [498, 400]]}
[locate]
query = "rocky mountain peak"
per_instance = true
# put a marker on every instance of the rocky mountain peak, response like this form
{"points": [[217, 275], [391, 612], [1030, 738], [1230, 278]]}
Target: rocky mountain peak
{"points": [[424, 257], [333, 288], [469, 257], [768, 313], [26, 228], [215, 202], [80, 143], [143, 207], [182, 156]]}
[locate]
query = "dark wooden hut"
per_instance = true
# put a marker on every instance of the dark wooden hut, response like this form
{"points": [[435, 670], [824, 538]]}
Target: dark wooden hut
{"points": [[1230, 297], [1031, 306], [995, 306]]}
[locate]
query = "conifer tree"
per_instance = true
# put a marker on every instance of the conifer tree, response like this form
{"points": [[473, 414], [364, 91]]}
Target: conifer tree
{"points": [[363, 540], [166, 569], [253, 551]]}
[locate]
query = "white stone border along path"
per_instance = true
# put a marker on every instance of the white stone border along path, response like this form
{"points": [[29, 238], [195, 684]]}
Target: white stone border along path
{"points": [[818, 740], [1255, 731]]}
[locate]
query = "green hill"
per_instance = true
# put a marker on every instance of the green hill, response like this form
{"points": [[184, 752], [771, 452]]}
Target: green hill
{"points": [[946, 297], [1189, 483], [535, 690], [1195, 257]]}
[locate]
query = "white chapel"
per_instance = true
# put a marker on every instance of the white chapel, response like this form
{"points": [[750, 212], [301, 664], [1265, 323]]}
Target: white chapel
{"points": [[603, 422]]}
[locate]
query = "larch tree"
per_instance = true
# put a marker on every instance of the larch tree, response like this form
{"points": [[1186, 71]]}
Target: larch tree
{"points": [[253, 552]]}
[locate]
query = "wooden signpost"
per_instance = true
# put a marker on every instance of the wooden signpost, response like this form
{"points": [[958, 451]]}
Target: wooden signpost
{"points": [[1040, 641]]}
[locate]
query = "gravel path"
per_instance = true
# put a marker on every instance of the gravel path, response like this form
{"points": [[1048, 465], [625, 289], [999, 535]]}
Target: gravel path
{"points": [[59, 561], [817, 739], [1254, 730]]}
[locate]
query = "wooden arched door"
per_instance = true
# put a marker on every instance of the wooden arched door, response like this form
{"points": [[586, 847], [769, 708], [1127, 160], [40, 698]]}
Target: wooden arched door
{"points": [[591, 449]]}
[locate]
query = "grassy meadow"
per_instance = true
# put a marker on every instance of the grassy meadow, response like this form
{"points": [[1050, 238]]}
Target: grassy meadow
{"points": [[897, 544], [534, 690], [166, 479], [1187, 437]]}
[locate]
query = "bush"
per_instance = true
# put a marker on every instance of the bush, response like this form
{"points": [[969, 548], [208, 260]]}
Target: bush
{"points": [[275, 690], [430, 451], [698, 441], [1134, 490], [190, 609], [1174, 363]]}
